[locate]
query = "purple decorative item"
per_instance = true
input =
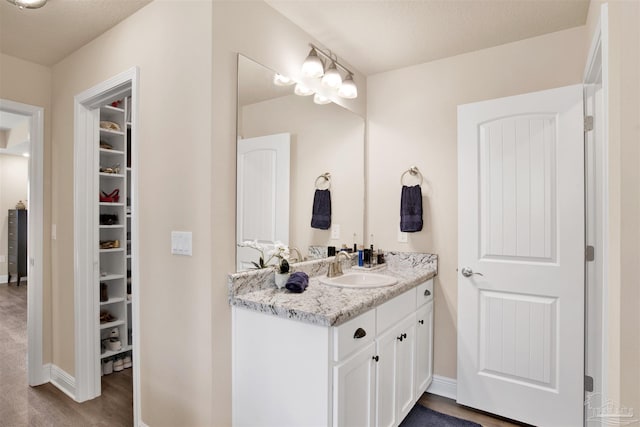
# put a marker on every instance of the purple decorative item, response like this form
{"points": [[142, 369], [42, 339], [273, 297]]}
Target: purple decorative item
{"points": [[297, 282]]}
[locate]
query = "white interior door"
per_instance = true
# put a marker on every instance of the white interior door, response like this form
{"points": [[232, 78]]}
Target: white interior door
{"points": [[262, 193], [521, 257]]}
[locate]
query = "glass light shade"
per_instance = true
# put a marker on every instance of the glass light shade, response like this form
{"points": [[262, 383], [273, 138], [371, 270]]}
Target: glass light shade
{"points": [[321, 99], [348, 89], [280, 80], [28, 4], [332, 77], [302, 90], [313, 66]]}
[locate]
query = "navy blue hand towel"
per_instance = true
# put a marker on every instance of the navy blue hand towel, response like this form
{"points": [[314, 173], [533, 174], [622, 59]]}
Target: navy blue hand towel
{"points": [[411, 209], [297, 282], [321, 215]]}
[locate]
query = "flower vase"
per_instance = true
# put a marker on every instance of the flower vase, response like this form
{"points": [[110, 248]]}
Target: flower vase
{"points": [[281, 279]]}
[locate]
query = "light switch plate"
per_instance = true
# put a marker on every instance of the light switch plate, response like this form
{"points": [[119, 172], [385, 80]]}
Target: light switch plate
{"points": [[335, 231], [402, 237], [181, 243]]}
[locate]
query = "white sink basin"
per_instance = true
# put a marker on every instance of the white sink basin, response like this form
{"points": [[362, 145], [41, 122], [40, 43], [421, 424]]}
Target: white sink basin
{"points": [[359, 280]]}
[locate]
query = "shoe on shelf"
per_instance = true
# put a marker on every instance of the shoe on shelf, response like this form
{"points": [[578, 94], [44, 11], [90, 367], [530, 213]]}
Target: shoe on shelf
{"points": [[113, 197], [114, 169], [114, 344], [114, 333], [105, 124], [118, 365], [109, 219], [109, 244], [104, 293], [127, 362], [106, 145], [106, 317], [107, 367]]}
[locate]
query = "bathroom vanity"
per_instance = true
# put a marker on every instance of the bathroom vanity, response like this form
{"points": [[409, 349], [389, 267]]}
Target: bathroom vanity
{"points": [[332, 356]]}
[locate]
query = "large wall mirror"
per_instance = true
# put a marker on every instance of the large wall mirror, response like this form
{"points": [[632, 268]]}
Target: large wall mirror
{"points": [[286, 143]]}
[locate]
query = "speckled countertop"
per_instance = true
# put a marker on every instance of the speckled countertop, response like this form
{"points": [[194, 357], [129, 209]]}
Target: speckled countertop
{"points": [[323, 304]]}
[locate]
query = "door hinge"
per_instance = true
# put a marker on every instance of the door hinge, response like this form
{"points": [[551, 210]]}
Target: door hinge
{"points": [[590, 253], [588, 383], [588, 123]]}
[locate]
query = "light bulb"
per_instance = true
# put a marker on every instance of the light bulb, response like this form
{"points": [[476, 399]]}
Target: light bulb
{"points": [[302, 90], [280, 80], [321, 99], [348, 89], [313, 66], [332, 77]]}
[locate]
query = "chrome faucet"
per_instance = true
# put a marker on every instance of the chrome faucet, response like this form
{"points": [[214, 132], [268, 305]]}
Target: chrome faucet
{"points": [[300, 257], [335, 268]]}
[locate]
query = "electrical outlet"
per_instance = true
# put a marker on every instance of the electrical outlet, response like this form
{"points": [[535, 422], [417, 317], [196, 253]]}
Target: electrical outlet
{"points": [[335, 231], [181, 243], [402, 237]]}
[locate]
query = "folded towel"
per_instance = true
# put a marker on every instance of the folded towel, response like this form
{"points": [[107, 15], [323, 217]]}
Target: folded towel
{"points": [[411, 209], [321, 215], [297, 282]]}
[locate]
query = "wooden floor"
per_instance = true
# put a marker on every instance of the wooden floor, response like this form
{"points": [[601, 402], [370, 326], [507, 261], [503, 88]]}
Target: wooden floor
{"points": [[450, 407], [45, 405]]}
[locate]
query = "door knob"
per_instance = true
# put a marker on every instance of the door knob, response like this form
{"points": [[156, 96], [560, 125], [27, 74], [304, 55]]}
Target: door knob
{"points": [[467, 272]]}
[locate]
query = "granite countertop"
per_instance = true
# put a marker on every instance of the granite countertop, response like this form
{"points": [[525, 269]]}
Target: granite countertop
{"points": [[326, 305]]}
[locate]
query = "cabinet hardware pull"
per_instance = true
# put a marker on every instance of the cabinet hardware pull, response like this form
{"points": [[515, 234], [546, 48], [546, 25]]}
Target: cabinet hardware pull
{"points": [[360, 333], [427, 292], [376, 358], [421, 322], [404, 336], [400, 338]]}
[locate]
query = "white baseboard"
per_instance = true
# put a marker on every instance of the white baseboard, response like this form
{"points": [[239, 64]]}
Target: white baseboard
{"points": [[142, 424], [443, 386], [3, 279], [62, 380]]}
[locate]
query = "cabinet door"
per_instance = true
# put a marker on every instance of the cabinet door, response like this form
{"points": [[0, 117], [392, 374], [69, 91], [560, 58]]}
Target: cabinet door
{"points": [[406, 367], [353, 396], [386, 378], [424, 348]]}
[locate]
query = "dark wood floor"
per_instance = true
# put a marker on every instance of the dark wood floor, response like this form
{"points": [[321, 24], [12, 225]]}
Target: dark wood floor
{"points": [[45, 405], [450, 407]]}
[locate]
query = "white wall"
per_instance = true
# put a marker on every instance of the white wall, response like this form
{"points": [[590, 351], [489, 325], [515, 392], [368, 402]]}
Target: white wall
{"points": [[14, 174], [325, 138], [411, 119]]}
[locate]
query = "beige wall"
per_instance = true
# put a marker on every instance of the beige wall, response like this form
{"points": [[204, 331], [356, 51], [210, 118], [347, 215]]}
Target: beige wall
{"points": [[170, 42], [30, 83], [324, 138], [14, 174], [412, 120], [623, 317]]}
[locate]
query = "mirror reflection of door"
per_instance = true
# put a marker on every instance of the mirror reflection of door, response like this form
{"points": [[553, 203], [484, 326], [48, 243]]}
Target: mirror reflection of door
{"points": [[263, 187]]}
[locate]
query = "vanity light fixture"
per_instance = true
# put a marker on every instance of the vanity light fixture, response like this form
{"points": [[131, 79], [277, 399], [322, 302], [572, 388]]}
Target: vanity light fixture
{"points": [[321, 99], [302, 90], [313, 67], [348, 89], [332, 77], [28, 4], [280, 80]]}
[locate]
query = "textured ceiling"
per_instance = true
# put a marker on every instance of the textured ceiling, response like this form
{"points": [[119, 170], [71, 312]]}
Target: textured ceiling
{"points": [[47, 35], [377, 36]]}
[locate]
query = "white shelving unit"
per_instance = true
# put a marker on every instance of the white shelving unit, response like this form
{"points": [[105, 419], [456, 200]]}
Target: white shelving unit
{"points": [[114, 222]]}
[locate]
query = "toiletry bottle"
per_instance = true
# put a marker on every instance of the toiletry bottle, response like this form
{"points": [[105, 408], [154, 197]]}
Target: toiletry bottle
{"points": [[367, 258], [360, 257]]}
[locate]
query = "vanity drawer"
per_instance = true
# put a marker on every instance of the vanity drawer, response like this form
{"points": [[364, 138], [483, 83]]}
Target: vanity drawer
{"points": [[394, 310], [354, 334], [424, 293]]}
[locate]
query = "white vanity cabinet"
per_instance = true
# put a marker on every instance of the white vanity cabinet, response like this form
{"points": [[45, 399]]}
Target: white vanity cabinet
{"points": [[369, 371]]}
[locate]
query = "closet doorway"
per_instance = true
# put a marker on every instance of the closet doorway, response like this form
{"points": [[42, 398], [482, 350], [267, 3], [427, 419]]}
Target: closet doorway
{"points": [[33, 117]]}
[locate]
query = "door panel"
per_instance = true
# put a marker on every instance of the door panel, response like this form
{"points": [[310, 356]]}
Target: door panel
{"points": [[424, 351], [521, 226], [354, 388]]}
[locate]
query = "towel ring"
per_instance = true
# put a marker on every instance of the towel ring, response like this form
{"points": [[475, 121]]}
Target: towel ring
{"points": [[325, 178], [414, 171]]}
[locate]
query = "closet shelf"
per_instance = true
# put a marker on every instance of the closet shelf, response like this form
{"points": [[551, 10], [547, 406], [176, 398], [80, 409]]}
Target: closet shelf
{"points": [[111, 301], [112, 226], [114, 109], [109, 353], [111, 175], [111, 324], [103, 251], [111, 277], [111, 204], [111, 152], [112, 132]]}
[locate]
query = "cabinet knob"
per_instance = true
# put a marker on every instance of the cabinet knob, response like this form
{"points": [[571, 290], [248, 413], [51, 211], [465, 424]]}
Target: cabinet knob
{"points": [[400, 338], [404, 336], [359, 333], [376, 358], [421, 322], [427, 292]]}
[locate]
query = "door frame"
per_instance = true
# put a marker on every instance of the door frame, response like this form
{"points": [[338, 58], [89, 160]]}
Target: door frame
{"points": [[37, 372], [597, 72], [86, 305]]}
